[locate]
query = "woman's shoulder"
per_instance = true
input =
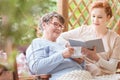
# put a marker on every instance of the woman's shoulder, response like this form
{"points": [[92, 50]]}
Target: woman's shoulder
{"points": [[39, 40], [113, 33], [113, 36], [39, 43]]}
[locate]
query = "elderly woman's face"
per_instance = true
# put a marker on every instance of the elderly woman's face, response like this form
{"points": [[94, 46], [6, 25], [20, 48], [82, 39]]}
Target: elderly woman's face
{"points": [[54, 28]]}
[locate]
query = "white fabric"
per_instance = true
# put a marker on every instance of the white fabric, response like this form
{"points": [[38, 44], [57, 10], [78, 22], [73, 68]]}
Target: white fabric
{"points": [[76, 75], [108, 77], [85, 75]]}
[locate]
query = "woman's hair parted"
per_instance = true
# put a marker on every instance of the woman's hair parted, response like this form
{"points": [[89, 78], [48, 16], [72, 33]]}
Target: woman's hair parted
{"points": [[102, 4], [49, 16]]}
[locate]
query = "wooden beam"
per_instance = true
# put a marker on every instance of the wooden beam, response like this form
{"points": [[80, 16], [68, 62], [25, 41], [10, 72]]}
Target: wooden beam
{"points": [[9, 50], [63, 10], [118, 31]]}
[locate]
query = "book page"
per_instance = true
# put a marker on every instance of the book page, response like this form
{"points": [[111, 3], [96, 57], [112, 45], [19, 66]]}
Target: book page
{"points": [[89, 44], [95, 43], [76, 43]]}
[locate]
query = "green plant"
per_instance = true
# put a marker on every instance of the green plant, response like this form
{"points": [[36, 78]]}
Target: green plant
{"points": [[18, 19]]}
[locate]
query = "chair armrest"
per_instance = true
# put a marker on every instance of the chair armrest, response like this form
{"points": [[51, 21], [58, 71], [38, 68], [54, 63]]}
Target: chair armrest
{"points": [[118, 68], [36, 77], [43, 76]]}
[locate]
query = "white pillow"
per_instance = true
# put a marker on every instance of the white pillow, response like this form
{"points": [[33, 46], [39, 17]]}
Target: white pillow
{"points": [[108, 77], [76, 75]]}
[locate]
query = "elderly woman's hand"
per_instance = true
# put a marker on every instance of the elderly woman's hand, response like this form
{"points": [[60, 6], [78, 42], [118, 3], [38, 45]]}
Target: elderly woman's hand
{"points": [[91, 54], [68, 52]]}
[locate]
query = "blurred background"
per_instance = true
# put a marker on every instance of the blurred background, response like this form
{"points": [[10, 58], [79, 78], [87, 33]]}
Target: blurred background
{"points": [[18, 21], [18, 26]]}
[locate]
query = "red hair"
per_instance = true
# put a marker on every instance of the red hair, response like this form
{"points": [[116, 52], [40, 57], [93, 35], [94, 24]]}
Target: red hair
{"points": [[102, 4]]}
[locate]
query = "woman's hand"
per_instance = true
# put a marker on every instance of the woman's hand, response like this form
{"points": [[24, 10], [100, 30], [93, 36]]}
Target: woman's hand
{"points": [[91, 54], [78, 60], [67, 52]]}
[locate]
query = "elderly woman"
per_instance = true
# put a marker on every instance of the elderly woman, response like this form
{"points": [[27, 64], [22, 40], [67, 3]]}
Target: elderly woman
{"points": [[44, 55]]}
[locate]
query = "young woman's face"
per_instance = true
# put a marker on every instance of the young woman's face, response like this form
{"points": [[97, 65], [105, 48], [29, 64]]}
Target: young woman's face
{"points": [[98, 17]]}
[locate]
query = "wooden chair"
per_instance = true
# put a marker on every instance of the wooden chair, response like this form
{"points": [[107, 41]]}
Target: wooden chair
{"points": [[6, 74], [36, 77], [118, 31], [118, 68]]}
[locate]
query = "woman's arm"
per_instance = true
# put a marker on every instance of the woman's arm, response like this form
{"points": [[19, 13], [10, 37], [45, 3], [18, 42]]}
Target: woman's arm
{"points": [[43, 59], [72, 34], [39, 60], [40, 64], [110, 65]]}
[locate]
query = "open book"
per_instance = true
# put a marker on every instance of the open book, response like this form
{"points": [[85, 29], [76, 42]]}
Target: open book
{"points": [[88, 44]]}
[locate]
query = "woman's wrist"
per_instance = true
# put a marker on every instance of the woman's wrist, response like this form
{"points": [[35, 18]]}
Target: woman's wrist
{"points": [[96, 58]]}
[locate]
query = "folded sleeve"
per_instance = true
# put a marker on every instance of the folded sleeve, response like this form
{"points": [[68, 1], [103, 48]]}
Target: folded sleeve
{"points": [[108, 65]]}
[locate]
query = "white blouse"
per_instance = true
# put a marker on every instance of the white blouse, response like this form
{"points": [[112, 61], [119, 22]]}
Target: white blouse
{"points": [[108, 60]]}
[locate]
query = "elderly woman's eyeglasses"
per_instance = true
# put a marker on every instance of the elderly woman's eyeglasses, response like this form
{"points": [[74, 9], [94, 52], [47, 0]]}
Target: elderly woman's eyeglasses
{"points": [[57, 25]]}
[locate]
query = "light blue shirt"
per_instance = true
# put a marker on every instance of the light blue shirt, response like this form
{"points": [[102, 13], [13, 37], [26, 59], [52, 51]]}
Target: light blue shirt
{"points": [[45, 57]]}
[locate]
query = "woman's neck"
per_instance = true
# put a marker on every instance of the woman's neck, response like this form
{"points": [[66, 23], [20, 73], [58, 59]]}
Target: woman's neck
{"points": [[101, 33], [49, 38]]}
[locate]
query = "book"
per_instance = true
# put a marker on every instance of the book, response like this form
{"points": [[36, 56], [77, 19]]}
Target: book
{"points": [[90, 44]]}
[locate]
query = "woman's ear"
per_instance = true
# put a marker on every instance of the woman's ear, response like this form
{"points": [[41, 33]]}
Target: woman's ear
{"points": [[44, 25]]}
